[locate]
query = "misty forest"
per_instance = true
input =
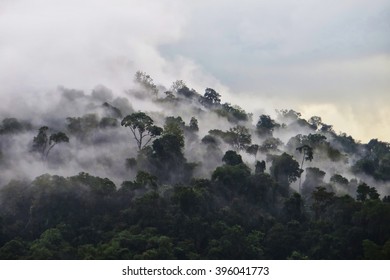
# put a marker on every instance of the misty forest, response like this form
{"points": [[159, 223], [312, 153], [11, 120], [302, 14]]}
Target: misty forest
{"points": [[170, 172]]}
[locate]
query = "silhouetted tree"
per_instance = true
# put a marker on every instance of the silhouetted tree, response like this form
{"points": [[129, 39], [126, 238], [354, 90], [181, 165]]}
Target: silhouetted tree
{"points": [[43, 144], [265, 126], [210, 98], [141, 125]]}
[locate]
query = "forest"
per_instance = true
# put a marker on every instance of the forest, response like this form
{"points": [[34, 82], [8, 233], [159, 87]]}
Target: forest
{"points": [[171, 173]]}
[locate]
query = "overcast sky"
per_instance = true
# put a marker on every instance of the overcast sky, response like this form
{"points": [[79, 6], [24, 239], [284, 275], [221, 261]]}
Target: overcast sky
{"points": [[328, 58]]}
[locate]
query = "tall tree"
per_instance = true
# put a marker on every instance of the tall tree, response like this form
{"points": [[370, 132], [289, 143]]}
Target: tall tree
{"points": [[210, 97], [43, 144], [142, 127]]}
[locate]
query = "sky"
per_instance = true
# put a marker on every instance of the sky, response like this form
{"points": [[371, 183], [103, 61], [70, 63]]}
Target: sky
{"points": [[327, 58]]}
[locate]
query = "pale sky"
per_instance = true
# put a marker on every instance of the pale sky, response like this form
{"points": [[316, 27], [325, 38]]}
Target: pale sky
{"points": [[327, 58]]}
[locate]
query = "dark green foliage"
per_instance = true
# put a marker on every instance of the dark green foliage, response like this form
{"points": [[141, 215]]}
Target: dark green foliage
{"points": [[284, 169], [376, 161], [175, 126], [293, 208], [186, 92], [265, 126], [231, 176], [260, 167], [210, 98], [86, 217], [365, 192], [232, 158]]}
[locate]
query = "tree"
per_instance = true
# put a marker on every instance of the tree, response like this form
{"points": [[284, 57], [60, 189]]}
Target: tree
{"points": [[265, 126], [321, 200], [175, 126], [260, 167], [43, 144], [315, 122], [146, 82], [365, 192], [194, 124], [142, 127], [270, 144], [314, 178], [288, 114], [232, 158], [210, 98], [233, 113], [252, 150], [56, 138], [41, 140], [293, 208], [240, 137], [284, 169], [82, 127], [13, 125]]}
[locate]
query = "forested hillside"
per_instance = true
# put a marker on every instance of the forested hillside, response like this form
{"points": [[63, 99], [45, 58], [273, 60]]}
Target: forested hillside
{"points": [[173, 173]]}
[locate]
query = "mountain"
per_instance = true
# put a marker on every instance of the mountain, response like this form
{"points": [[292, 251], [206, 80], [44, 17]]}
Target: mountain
{"points": [[170, 173]]}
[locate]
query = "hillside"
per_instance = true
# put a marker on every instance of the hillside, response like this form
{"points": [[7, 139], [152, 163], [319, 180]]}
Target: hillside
{"points": [[171, 173]]}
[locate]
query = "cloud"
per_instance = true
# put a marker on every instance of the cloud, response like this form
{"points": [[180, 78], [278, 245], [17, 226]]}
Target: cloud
{"points": [[264, 53], [81, 43]]}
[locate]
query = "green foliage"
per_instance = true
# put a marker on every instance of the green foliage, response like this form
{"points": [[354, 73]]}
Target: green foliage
{"points": [[372, 251], [233, 176], [232, 158], [175, 126], [365, 192], [284, 169]]}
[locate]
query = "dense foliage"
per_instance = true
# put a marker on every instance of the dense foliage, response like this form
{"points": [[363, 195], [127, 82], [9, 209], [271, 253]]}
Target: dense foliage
{"points": [[245, 194]]}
